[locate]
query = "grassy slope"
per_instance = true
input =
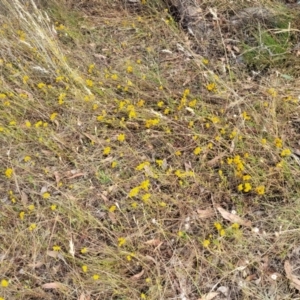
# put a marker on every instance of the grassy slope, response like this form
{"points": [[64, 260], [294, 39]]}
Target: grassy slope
{"points": [[125, 151]]}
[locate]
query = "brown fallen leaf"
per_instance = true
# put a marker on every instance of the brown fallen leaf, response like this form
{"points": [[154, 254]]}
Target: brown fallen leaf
{"points": [[36, 265], [153, 242], [209, 296], [76, 175], [205, 213], [53, 254], [24, 198], [57, 177], [112, 217], [53, 285], [233, 218], [137, 276], [289, 274]]}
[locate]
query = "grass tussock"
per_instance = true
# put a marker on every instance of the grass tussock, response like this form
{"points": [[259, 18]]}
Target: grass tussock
{"points": [[134, 167]]}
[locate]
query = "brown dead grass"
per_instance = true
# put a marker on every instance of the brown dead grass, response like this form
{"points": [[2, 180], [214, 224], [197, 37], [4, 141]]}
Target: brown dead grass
{"points": [[142, 214]]}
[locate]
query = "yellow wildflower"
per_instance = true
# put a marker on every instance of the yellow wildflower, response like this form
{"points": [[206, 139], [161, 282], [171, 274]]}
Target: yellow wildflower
{"points": [[22, 215], [83, 250], [8, 172], [27, 158], [211, 87], [32, 227], [263, 141], [96, 276], [222, 232], [114, 77], [25, 79], [235, 226], [41, 85], [240, 187], [247, 187], [197, 151], [106, 150], [27, 124], [193, 103], [245, 116], [89, 82], [278, 142], [121, 137], [260, 190], [218, 226], [286, 152], [84, 268], [129, 69], [141, 103], [145, 185], [246, 177], [53, 116], [134, 192], [46, 195], [206, 243], [53, 207], [142, 165], [4, 283], [112, 208], [178, 153], [31, 207], [151, 122], [56, 248], [146, 197], [121, 241]]}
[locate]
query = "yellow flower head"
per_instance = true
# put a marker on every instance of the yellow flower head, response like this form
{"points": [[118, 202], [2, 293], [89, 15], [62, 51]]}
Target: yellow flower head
{"points": [[83, 250], [46, 195], [197, 151], [260, 190], [84, 268], [247, 187], [56, 248], [286, 152], [106, 150], [121, 241], [134, 192], [4, 283], [8, 172], [218, 226], [121, 137], [206, 243]]}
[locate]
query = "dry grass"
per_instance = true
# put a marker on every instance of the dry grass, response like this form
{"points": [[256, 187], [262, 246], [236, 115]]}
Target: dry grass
{"points": [[119, 143]]}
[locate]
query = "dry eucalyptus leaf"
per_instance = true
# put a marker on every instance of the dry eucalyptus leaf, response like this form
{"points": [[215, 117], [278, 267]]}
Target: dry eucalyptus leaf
{"points": [[233, 218], [205, 213], [209, 296], [153, 242], [289, 274], [112, 217], [53, 254], [138, 275], [52, 285], [24, 198], [36, 265]]}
